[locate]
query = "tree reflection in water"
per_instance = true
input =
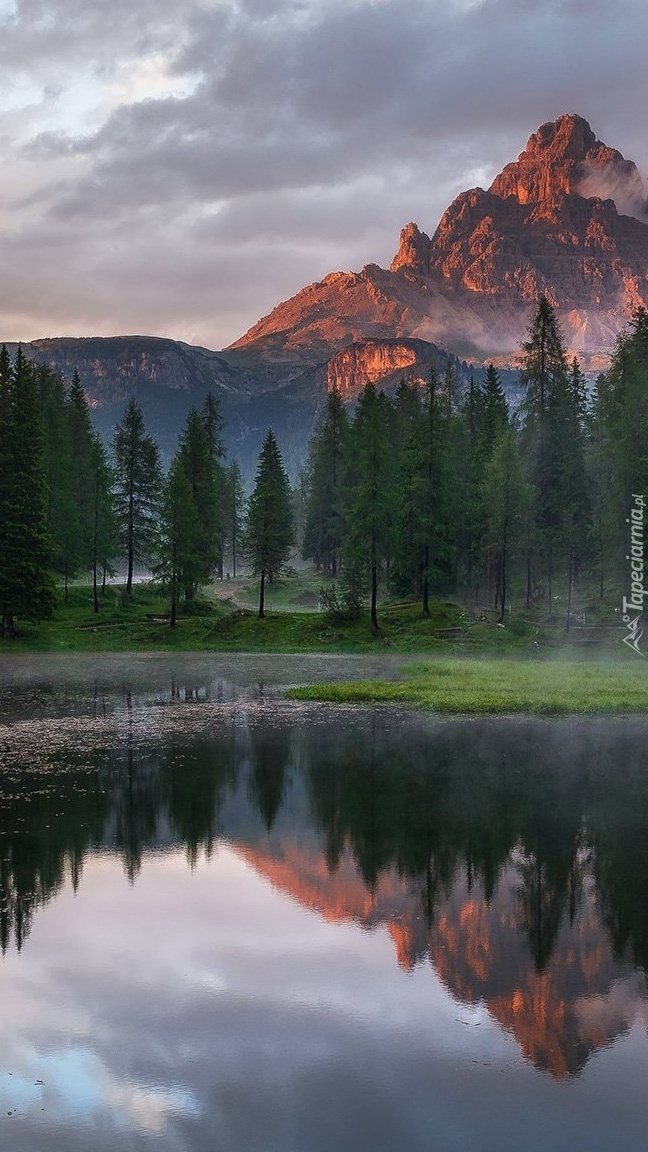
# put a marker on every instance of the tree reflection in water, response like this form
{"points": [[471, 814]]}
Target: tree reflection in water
{"points": [[511, 855]]}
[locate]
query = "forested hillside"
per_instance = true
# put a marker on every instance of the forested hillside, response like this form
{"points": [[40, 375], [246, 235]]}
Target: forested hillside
{"points": [[441, 489]]}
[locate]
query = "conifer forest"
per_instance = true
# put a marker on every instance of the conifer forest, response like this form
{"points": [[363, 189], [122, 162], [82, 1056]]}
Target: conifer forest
{"points": [[436, 490]]}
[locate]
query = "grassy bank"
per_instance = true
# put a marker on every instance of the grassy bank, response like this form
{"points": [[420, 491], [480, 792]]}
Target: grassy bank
{"points": [[223, 621], [226, 624], [487, 686]]}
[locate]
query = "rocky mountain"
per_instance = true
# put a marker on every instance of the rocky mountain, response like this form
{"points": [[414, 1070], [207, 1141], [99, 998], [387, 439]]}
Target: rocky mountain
{"points": [[567, 219]]}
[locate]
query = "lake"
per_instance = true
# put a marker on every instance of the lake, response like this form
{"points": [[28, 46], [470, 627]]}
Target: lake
{"points": [[233, 922]]}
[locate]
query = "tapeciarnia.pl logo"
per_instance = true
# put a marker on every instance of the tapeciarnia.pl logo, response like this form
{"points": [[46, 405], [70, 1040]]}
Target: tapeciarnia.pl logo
{"points": [[635, 602]]}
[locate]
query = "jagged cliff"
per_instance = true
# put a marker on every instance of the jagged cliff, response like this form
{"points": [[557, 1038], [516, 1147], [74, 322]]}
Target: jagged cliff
{"points": [[567, 219]]}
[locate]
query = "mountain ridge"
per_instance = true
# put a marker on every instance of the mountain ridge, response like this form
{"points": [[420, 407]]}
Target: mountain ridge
{"points": [[551, 223], [548, 225]]}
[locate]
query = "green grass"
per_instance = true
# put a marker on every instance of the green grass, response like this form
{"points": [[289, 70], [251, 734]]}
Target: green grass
{"points": [[122, 625], [487, 686], [470, 666], [218, 624]]}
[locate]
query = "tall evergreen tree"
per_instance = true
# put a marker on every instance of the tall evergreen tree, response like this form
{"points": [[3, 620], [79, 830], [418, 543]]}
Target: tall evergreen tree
{"points": [[26, 584], [234, 513], [63, 515], [201, 470], [554, 448], [372, 498], [494, 411], [269, 531], [138, 483], [179, 534], [430, 492], [324, 515], [104, 531], [619, 438], [408, 420], [214, 424], [506, 496]]}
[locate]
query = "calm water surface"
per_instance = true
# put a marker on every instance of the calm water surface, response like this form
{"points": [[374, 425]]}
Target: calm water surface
{"points": [[229, 922]]}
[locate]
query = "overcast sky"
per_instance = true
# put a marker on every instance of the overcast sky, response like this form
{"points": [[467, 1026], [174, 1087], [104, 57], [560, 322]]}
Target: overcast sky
{"points": [[178, 167]]}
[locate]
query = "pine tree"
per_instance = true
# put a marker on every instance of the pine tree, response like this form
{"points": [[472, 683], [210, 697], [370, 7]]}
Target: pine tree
{"points": [[506, 497], [234, 501], [408, 420], [371, 510], [104, 531], [214, 426], [179, 531], [26, 584], [554, 448], [269, 532], [324, 514], [63, 518], [138, 483], [432, 524], [200, 468], [619, 436], [494, 411]]}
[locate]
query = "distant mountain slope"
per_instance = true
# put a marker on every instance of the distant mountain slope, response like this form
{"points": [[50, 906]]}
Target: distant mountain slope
{"points": [[167, 378]]}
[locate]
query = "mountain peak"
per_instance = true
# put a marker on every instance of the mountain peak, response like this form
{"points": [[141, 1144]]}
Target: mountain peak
{"points": [[565, 157], [413, 250], [568, 137], [566, 219]]}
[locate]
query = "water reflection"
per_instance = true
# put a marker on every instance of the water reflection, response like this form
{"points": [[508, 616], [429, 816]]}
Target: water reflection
{"points": [[510, 856]]}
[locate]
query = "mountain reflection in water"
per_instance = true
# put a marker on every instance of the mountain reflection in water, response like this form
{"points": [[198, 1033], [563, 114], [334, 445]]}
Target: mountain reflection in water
{"points": [[511, 856]]}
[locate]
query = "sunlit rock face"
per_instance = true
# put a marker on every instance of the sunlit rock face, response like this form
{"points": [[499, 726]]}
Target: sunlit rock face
{"points": [[553, 222], [564, 156], [566, 219], [384, 362]]}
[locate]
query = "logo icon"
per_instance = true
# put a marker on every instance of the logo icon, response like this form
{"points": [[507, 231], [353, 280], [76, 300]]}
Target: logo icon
{"points": [[634, 633]]}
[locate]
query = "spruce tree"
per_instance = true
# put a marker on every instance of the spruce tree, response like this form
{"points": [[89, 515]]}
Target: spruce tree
{"points": [[324, 513], [431, 492], [619, 436], [104, 530], [554, 449], [234, 512], [179, 532], [200, 468], [506, 497], [371, 513], [405, 571], [269, 531], [63, 517], [138, 483], [26, 583], [214, 425]]}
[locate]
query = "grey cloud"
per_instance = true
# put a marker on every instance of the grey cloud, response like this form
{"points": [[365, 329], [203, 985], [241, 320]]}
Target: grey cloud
{"points": [[50, 34], [294, 109]]}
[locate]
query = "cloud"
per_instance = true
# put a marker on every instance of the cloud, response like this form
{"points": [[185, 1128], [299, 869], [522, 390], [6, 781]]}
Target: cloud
{"points": [[196, 163]]}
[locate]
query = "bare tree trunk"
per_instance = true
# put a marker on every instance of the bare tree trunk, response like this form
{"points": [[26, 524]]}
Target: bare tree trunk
{"points": [[8, 626], [262, 595]]}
